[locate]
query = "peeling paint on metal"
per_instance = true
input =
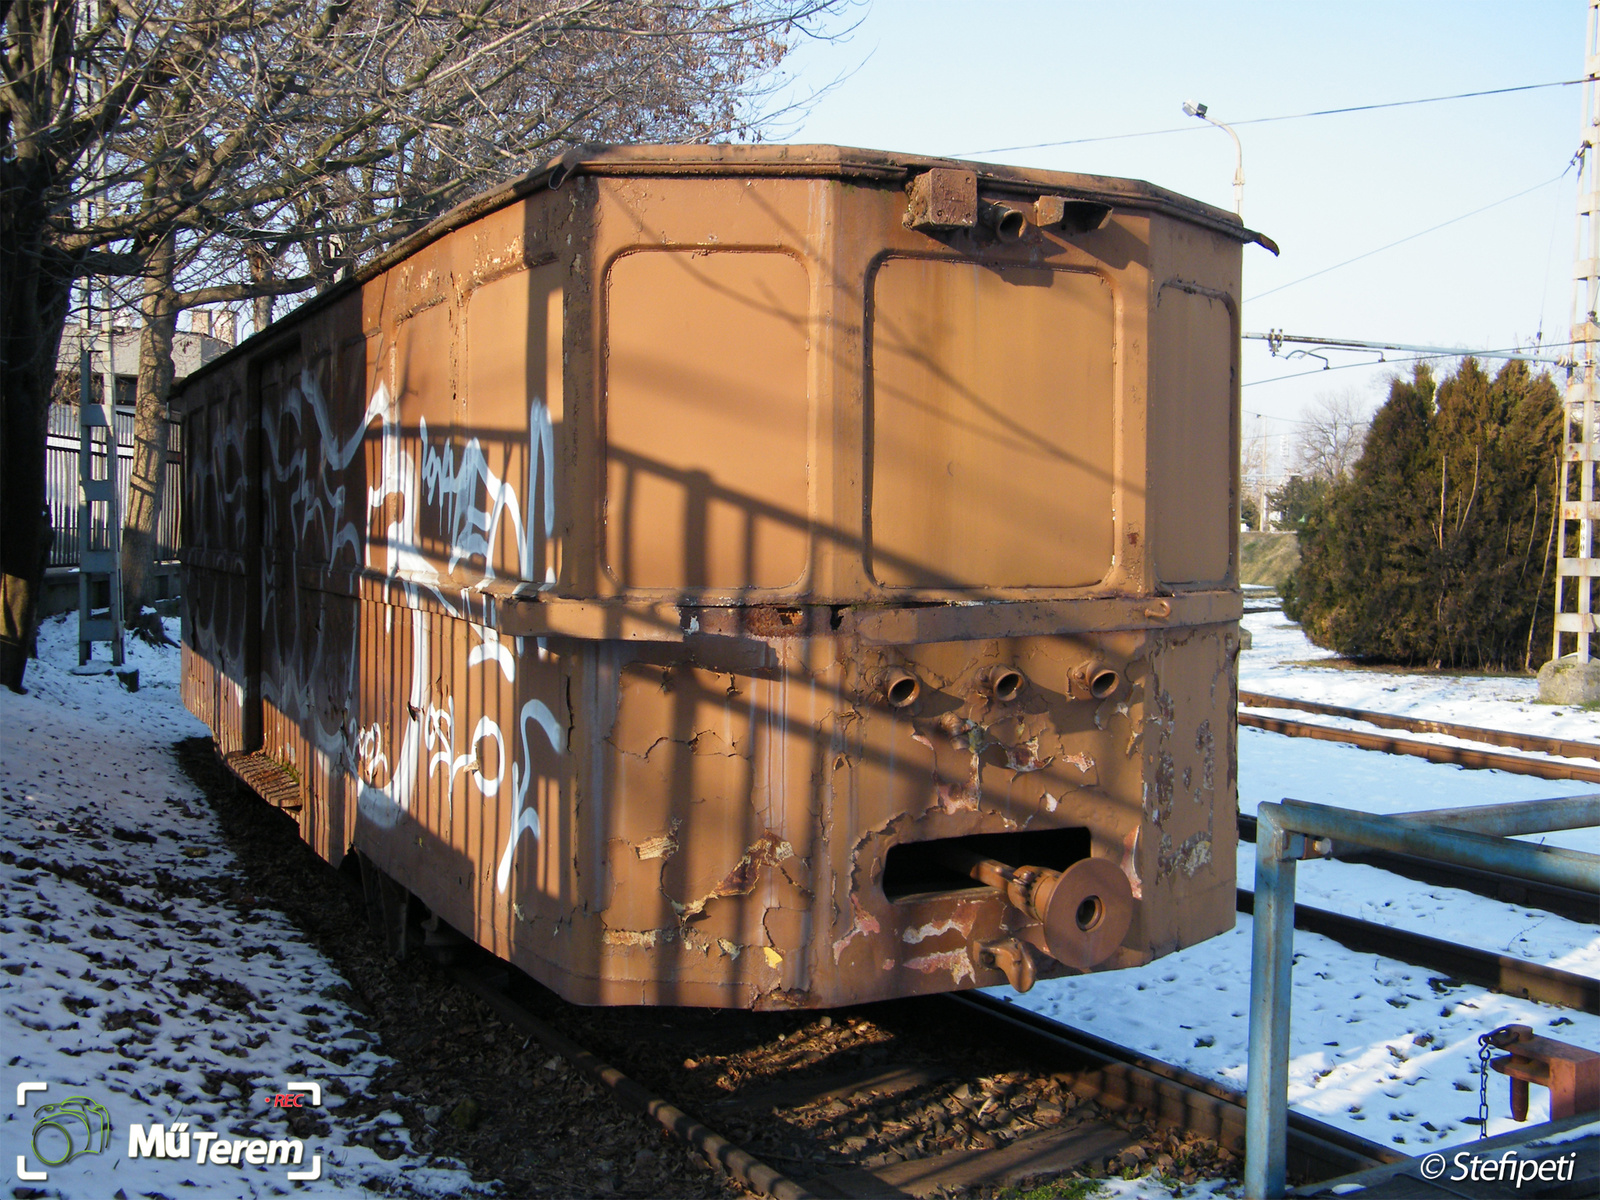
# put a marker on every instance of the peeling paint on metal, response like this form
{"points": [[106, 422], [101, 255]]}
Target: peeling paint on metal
{"points": [[957, 962], [1191, 854], [935, 928], [1130, 862], [647, 939], [865, 923], [1206, 743], [664, 846]]}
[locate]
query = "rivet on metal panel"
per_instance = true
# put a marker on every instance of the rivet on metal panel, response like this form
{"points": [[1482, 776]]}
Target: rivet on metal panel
{"points": [[943, 198]]}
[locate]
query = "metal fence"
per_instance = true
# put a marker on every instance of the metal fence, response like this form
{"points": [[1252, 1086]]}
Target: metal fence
{"points": [[61, 482]]}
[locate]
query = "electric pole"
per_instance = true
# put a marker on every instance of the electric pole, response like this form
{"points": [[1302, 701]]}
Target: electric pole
{"points": [[1576, 679]]}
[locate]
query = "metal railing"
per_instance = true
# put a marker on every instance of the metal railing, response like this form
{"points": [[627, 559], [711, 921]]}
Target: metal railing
{"points": [[1295, 830], [61, 483]]}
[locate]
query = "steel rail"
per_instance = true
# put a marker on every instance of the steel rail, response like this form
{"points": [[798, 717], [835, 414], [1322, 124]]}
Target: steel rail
{"points": [[732, 1160], [1460, 756], [1571, 903], [1563, 747], [1504, 973], [1116, 1077]]}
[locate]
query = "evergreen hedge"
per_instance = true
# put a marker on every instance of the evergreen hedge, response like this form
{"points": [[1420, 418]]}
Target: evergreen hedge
{"points": [[1437, 550]]}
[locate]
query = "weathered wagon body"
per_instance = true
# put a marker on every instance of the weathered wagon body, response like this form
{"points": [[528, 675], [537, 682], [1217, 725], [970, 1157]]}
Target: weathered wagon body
{"points": [[679, 568]]}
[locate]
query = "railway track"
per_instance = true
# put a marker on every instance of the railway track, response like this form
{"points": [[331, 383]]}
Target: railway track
{"points": [[1499, 972], [1505, 973], [1535, 743], [1462, 756], [790, 1132]]}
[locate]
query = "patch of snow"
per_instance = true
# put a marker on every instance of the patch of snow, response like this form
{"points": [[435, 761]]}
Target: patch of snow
{"points": [[126, 975], [1157, 1187], [1372, 894], [1283, 662], [1569, 1135]]}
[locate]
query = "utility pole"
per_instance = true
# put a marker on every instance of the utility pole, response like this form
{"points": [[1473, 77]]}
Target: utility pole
{"points": [[1575, 677], [99, 499]]}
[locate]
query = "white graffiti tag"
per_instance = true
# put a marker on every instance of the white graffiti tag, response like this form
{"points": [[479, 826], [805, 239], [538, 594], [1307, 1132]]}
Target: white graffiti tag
{"points": [[524, 817]]}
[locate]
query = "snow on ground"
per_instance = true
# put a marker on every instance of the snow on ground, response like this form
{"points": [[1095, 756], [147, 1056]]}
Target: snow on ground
{"points": [[1282, 662], [1372, 894], [128, 976], [1272, 766], [1377, 1047], [1157, 1187], [1380, 1048]]}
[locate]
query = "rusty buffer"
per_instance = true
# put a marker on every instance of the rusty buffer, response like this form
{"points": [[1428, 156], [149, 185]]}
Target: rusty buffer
{"points": [[762, 576]]}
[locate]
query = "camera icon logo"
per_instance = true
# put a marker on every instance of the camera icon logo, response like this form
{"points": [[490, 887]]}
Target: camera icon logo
{"points": [[70, 1128]]}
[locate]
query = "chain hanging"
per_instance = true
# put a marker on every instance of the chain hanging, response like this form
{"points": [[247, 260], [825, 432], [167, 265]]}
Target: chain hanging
{"points": [[1485, 1042]]}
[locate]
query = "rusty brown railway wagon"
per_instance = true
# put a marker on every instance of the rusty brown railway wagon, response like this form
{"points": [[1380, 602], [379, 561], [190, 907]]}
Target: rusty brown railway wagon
{"points": [[764, 576]]}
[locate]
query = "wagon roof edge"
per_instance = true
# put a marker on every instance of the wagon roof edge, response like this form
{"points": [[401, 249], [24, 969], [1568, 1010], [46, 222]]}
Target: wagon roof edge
{"points": [[769, 161]]}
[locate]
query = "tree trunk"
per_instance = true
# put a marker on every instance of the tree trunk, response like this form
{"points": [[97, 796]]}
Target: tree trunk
{"points": [[261, 272], [35, 287], [147, 477]]}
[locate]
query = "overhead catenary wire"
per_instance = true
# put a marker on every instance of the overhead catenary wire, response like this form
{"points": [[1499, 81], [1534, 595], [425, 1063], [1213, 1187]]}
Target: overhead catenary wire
{"points": [[1411, 237], [1389, 362], [1321, 112]]}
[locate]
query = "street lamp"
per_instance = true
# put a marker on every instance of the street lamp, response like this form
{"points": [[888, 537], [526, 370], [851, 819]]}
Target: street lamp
{"points": [[1193, 109]]}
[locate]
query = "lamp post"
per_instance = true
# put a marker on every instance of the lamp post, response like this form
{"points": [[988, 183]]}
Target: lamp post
{"points": [[1193, 109]]}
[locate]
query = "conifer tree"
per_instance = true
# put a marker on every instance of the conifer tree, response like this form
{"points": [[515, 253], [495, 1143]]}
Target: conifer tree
{"points": [[1434, 550]]}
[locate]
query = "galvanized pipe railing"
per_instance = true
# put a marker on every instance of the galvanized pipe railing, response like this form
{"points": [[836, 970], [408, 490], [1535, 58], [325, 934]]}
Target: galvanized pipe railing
{"points": [[1293, 830]]}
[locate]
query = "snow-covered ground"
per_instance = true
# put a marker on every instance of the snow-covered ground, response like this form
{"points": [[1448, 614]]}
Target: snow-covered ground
{"points": [[1381, 1048], [132, 974], [1283, 663]]}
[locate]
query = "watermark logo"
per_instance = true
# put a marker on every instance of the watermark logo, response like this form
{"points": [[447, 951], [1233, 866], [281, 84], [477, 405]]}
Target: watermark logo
{"points": [[1509, 1167], [74, 1126], [176, 1140], [80, 1125]]}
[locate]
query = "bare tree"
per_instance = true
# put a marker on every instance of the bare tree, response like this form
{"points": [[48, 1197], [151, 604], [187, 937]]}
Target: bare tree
{"points": [[295, 139], [1333, 431]]}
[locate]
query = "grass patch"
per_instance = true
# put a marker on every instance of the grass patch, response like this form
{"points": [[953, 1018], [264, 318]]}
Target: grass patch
{"points": [[1267, 558], [1351, 664], [1072, 1188]]}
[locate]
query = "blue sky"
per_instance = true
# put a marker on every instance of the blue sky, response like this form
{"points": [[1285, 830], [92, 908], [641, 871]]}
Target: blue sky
{"points": [[964, 76]]}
